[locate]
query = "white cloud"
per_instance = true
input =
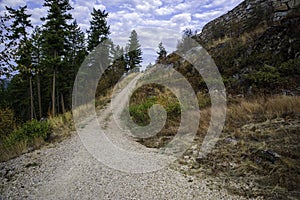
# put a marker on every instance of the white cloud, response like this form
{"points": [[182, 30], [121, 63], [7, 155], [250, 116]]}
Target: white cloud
{"points": [[183, 7], [99, 6], [154, 20], [222, 4], [208, 15], [36, 14], [158, 23], [164, 11], [132, 17], [182, 19], [13, 4], [147, 6], [144, 7], [153, 3]]}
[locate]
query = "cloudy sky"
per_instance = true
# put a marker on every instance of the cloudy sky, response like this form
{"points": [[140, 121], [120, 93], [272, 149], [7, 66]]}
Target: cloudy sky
{"points": [[154, 20]]}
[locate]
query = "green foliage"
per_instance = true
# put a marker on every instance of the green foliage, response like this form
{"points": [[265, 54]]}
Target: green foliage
{"points": [[99, 29], [134, 55], [18, 97], [203, 100], [171, 104], [139, 112], [3, 93], [290, 68], [56, 28], [4, 56], [28, 132], [7, 122], [56, 43], [258, 17], [266, 77], [162, 53], [217, 31], [114, 71]]}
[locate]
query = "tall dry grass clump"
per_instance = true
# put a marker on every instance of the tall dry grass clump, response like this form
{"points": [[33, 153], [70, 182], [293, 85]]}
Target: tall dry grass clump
{"points": [[252, 110], [258, 151], [261, 109], [62, 125]]}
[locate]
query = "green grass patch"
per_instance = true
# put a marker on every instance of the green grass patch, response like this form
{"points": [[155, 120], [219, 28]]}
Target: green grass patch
{"points": [[28, 136]]}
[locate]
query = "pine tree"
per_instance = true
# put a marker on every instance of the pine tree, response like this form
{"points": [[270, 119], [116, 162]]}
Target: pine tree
{"points": [[21, 46], [134, 54], [98, 40], [55, 43], [72, 62], [77, 50], [162, 54], [37, 63], [99, 30], [4, 52], [119, 66]]}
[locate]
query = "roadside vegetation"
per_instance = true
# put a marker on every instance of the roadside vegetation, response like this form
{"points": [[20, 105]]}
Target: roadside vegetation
{"points": [[18, 138], [38, 67], [257, 153], [32, 134]]}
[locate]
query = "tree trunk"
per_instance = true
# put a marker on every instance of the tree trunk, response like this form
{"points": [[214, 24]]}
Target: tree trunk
{"points": [[62, 103], [39, 96], [53, 92], [31, 98]]}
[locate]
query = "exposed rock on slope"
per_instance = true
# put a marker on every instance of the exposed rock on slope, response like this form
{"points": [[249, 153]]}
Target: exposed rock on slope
{"points": [[255, 46], [246, 16]]}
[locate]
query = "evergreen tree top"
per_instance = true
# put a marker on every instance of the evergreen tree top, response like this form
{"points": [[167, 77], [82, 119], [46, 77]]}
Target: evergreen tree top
{"points": [[99, 30]]}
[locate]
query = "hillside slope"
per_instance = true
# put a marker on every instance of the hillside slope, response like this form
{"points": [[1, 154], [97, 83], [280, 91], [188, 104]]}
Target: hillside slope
{"points": [[256, 47]]}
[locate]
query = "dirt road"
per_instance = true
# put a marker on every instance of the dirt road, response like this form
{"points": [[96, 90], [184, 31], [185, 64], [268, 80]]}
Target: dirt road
{"points": [[67, 170]]}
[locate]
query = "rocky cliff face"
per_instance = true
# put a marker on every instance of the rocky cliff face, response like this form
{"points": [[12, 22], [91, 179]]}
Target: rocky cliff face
{"points": [[247, 15], [257, 45]]}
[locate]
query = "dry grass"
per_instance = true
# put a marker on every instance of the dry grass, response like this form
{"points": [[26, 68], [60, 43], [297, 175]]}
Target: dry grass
{"points": [[124, 82], [11, 152], [62, 126], [252, 111], [243, 38], [19, 148], [261, 109], [258, 153], [219, 41]]}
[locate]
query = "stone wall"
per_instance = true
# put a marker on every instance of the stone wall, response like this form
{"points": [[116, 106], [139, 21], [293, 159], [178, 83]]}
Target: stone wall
{"points": [[247, 16]]}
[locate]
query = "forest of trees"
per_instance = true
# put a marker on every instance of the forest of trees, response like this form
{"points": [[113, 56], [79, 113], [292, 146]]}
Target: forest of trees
{"points": [[38, 65]]}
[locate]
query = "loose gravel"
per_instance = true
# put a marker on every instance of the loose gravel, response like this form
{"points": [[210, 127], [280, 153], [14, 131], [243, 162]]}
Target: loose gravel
{"points": [[66, 170]]}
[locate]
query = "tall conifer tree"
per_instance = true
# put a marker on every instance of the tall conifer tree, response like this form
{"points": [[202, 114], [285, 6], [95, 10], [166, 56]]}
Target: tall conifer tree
{"points": [[134, 55], [56, 31]]}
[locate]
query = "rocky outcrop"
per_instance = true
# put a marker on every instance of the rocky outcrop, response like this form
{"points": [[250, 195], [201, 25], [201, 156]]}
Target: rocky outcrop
{"points": [[247, 15]]}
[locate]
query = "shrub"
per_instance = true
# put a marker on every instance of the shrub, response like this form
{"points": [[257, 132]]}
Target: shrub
{"points": [[203, 100], [139, 112], [290, 68], [265, 77], [171, 104], [28, 132], [7, 122]]}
